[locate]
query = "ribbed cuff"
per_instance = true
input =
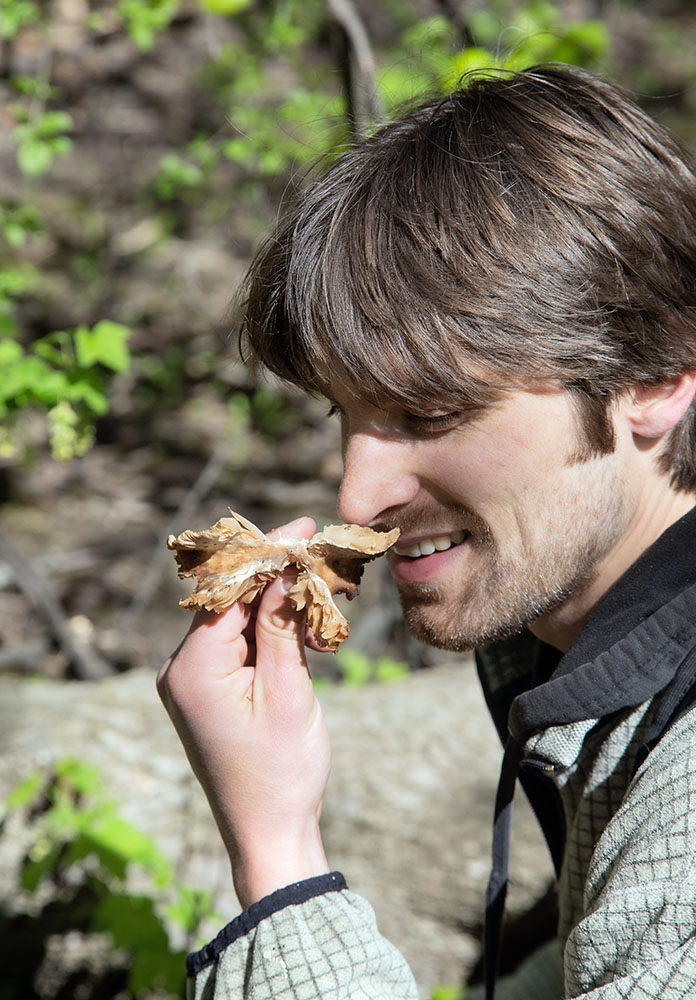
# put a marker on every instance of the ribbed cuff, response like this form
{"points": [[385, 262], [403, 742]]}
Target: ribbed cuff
{"points": [[290, 895]]}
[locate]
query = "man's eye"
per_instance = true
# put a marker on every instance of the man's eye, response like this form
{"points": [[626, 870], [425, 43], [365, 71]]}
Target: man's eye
{"points": [[415, 423]]}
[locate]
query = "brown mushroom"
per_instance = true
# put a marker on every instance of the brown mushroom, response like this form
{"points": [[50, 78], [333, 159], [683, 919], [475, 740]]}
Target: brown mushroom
{"points": [[233, 561]]}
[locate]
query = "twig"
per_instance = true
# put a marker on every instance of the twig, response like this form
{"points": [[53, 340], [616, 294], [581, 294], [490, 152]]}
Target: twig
{"points": [[364, 104], [454, 12], [87, 662]]}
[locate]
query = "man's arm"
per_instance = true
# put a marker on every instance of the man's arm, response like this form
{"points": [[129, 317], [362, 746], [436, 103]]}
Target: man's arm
{"points": [[240, 696]]}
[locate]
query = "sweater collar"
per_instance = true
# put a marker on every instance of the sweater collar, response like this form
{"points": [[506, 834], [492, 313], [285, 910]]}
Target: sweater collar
{"points": [[631, 644]]}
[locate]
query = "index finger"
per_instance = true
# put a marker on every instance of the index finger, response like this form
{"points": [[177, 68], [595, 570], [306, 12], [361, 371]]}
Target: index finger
{"points": [[301, 527]]}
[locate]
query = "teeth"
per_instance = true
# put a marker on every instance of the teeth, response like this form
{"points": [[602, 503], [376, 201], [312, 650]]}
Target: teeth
{"points": [[439, 543], [442, 542]]}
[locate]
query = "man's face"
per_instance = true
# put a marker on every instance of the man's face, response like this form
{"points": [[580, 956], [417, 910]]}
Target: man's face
{"points": [[498, 525]]}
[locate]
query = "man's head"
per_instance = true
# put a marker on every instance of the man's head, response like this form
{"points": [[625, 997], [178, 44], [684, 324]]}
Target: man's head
{"points": [[532, 229]]}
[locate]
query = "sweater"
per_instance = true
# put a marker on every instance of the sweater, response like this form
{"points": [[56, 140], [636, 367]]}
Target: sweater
{"points": [[608, 760]]}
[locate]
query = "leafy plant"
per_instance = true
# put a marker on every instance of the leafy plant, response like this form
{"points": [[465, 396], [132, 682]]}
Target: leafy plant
{"points": [[15, 280], [177, 176], [40, 136], [226, 8], [143, 19], [79, 839], [64, 375], [429, 57], [15, 14], [357, 668], [264, 409], [444, 992], [18, 222]]}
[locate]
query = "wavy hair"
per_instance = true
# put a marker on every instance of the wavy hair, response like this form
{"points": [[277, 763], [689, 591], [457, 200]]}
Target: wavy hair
{"points": [[529, 229]]}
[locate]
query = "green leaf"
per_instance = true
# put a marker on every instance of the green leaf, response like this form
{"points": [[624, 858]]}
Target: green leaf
{"points": [[78, 775], [226, 8], [30, 380], [51, 124], [10, 353], [110, 832], [356, 667], [189, 907], [87, 389], [14, 14], [443, 992], [144, 18], [28, 789], [35, 868], [132, 922], [112, 342], [104, 344], [34, 157], [388, 670], [469, 60], [109, 862]]}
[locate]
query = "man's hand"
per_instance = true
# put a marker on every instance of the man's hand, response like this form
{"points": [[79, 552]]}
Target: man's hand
{"points": [[240, 696]]}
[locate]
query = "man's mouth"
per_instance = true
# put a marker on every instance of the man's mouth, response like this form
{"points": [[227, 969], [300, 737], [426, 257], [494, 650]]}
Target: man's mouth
{"points": [[427, 546]]}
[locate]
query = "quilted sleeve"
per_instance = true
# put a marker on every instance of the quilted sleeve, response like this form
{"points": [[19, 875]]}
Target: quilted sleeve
{"points": [[637, 940], [305, 942]]}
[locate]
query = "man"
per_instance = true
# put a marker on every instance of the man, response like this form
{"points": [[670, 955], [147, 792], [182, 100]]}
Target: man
{"points": [[498, 293]]}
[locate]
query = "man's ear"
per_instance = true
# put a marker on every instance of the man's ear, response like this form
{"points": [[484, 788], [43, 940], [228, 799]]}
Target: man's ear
{"points": [[655, 409]]}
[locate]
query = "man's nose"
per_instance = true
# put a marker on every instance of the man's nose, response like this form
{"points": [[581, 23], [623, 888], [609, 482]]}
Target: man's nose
{"points": [[377, 477]]}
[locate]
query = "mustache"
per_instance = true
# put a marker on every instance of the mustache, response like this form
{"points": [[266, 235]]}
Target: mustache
{"points": [[432, 520]]}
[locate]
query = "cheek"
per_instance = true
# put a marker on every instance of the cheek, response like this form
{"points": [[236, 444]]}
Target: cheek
{"points": [[503, 472]]}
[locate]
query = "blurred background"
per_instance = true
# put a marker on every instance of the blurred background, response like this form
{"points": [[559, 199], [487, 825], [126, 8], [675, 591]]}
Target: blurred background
{"points": [[145, 148]]}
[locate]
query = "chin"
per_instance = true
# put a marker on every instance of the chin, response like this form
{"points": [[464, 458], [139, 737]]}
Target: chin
{"points": [[456, 636]]}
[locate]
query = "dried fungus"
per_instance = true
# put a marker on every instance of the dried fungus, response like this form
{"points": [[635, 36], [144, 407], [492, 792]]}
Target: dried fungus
{"points": [[233, 561]]}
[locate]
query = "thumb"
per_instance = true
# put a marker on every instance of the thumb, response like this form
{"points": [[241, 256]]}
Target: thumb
{"points": [[280, 629]]}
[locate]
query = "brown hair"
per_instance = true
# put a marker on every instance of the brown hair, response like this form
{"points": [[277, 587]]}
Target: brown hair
{"points": [[529, 228]]}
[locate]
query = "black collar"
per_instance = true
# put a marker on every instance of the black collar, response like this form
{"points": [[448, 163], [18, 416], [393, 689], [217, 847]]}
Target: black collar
{"points": [[631, 644]]}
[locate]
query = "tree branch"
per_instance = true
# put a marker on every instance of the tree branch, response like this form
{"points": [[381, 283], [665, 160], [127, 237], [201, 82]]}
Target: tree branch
{"points": [[358, 67], [87, 662]]}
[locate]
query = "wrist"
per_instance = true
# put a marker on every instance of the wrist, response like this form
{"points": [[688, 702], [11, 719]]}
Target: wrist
{"points": [[272, 862]]}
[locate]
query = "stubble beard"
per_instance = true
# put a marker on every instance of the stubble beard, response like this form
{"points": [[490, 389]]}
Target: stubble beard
{"points": [[509, 593]]}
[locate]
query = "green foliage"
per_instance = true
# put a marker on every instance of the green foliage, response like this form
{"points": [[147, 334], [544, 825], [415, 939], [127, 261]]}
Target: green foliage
{"points": [[357, 668], [264, 409], [429, 58], [273, 138], [15, 280], [274, 80], [177, 176], [225, 8], [443, 992], [79, 838], [18, 222], [15, 14], [63, 374], [143, 19], [40, 137], [276, 131]]}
